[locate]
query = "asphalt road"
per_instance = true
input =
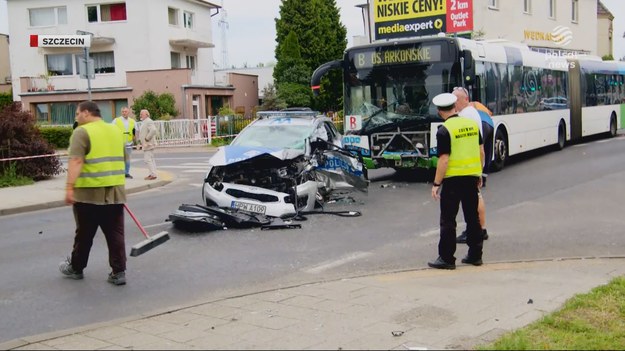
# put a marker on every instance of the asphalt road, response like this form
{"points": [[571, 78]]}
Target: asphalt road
{"points": [[547, 205]]}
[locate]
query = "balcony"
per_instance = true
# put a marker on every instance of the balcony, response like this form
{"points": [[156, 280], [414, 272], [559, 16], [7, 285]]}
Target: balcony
{"points": [[190, 43]]}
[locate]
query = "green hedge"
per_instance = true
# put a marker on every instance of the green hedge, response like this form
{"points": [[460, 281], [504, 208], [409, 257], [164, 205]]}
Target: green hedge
{"points": [[5, 99], [58, 137]]}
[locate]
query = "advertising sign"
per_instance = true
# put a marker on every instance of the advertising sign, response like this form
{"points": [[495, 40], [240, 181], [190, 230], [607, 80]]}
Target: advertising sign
{"points": [[414, 18]]}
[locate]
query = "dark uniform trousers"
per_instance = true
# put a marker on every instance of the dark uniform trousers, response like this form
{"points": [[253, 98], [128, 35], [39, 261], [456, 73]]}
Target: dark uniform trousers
{"points": [[456, 190], [108, 217]]}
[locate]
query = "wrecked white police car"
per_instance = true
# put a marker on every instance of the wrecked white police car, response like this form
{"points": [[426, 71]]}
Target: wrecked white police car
{"points": [[282, 163]]}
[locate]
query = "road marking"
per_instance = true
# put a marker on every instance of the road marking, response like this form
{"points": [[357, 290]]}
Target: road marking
{"points": [[195, 171], [197, 185], [333, 264]]}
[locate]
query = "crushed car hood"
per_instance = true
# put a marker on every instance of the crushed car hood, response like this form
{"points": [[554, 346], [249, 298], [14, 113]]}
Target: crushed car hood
{"points": [[335, 169], [227, 155]]}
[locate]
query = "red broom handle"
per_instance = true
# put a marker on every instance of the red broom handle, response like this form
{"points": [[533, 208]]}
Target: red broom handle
{"points": [[137, 222]]}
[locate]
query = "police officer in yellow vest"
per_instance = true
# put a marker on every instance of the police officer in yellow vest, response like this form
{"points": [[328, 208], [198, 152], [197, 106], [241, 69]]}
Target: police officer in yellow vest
{"points": [[458, 180], [126, 124], [96, 189]]}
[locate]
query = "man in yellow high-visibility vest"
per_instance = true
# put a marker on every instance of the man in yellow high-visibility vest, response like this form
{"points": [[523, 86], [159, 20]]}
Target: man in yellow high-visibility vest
{"points": [[96, 190], [458, 180], [126, 124]]}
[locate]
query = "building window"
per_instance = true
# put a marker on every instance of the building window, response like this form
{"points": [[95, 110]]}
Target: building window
{"points": [[49, 16], [191, 62], [552, 8], [527, 6], [175, 59], [103, 62], [188, 19], [60, 64], [575, 12], [106, 12], [173, 16], [493, 4]]}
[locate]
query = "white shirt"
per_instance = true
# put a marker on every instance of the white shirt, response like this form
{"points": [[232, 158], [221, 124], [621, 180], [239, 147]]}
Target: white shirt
{"points": [[471, 112]]}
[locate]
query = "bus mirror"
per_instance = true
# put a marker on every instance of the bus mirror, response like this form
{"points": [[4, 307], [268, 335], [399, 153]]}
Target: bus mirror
{"points": [[315, 81], [468, 68]]}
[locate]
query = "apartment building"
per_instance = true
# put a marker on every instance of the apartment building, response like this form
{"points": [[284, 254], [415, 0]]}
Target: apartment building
{"points": [[5, 69], [138, 45], [587, 24]]}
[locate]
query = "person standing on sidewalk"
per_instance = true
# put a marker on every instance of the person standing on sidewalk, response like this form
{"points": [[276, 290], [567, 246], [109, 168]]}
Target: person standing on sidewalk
{"points": [[147, 139], [466, 109], [96, 190], [457, 180], [126, 124]]}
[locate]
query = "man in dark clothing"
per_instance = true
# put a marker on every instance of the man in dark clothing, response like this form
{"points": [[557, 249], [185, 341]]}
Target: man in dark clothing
{"points": [[457, 180], [96, 190]]}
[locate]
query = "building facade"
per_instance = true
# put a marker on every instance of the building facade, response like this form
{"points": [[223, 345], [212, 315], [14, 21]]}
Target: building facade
{"points": [[562, 26], [5, 68], [139, 45]]}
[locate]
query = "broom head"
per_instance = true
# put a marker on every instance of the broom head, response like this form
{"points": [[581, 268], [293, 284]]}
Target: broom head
{"points": [[149, 244]]}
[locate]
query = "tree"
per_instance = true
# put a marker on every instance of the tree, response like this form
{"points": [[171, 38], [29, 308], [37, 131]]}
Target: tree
{"points": [[159, 105], [293, 76], [321, 37], [271, 100]]}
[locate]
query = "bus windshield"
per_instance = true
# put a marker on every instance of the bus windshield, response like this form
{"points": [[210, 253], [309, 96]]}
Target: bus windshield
{"points": [[391, 95]]}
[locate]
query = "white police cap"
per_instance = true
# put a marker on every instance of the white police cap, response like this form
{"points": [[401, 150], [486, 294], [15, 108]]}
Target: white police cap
{"points": [[444, 100]]}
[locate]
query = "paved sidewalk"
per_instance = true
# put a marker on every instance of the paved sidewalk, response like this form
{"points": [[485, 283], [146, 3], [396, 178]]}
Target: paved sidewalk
{"points": [[408, 310], [51, 192], [411, 310]]}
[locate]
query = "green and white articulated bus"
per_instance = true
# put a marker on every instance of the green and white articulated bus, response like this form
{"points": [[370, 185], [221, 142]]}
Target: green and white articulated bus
{"points": [[537, 99]]}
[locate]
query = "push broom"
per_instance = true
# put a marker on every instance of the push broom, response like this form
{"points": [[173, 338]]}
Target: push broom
{"points": [[150, 242]]}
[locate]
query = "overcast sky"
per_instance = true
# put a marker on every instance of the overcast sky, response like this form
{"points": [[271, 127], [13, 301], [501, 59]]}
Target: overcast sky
{"points": [[247, 18]]}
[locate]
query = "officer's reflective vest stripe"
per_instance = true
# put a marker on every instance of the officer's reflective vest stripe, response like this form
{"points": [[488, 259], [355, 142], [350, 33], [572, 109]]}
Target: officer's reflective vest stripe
{"points": [[464, 159], [127, 132], [104, 164]]}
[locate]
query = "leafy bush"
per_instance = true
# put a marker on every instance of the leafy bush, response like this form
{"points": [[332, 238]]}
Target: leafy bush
{"points": [[6, 99], [9, 177], [58, 137], [157, 104], [20, 137]]}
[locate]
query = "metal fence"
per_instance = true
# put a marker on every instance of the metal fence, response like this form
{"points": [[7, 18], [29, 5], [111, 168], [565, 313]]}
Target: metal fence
{"points": [[188, 132]]}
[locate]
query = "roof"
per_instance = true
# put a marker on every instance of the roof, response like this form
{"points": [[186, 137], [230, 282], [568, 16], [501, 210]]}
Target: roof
{"points": [[602, 10]]}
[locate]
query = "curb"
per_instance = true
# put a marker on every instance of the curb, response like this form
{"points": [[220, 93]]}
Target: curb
{"points": [[164, 179]]}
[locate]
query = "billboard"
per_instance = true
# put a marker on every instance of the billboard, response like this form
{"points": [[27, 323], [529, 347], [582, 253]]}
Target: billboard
{"points": [[415, 18]]}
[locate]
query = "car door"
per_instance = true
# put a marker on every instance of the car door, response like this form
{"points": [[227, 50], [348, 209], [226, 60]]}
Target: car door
{"points": [[340, 166]]}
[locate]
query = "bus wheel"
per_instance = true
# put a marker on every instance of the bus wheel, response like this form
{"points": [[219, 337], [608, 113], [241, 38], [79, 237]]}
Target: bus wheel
{"points": [[501, 151], [561, 136], [612, 126]]}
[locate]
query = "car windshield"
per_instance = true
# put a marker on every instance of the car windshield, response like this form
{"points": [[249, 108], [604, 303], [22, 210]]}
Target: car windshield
{"points": [[274, 136]]}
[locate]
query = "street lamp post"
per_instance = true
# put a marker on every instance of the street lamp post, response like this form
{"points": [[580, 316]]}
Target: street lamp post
{"points": [[87, 70]]}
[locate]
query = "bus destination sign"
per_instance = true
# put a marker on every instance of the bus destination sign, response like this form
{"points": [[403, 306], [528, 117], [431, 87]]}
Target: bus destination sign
{"points": [[397, 56]]}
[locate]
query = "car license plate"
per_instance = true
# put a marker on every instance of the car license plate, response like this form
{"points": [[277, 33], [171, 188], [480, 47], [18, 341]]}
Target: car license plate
{"points": [[249, 207]]}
